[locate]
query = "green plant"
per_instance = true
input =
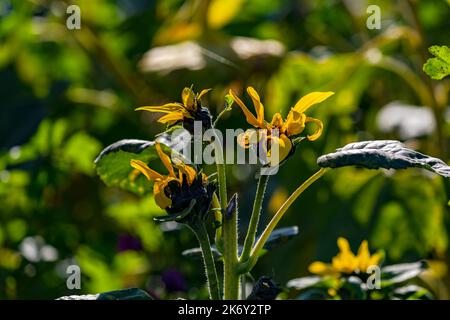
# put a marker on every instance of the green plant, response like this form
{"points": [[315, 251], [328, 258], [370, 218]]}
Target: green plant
{"points": [[200, 202]]}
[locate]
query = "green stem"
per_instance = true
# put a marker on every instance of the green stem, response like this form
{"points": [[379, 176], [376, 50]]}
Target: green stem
{"points": [[211, 273], [254, 219], [219, 219], [247, 266], [229, 231]]}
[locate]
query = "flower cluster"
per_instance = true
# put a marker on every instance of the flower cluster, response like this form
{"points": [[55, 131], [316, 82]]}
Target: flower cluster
{"points": [[346, 262]]}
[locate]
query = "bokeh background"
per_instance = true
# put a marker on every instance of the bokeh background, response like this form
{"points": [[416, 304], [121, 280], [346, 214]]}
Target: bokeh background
{"points": [[66, 94]]}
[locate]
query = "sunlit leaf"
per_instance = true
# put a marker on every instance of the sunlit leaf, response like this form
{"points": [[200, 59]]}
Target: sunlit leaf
{"points": [[439, 67], [388, 154], [125, 294], [113, 164]]}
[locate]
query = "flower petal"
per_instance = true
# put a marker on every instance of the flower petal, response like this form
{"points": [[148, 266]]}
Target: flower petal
{"points": [[283, 147], [248, 115], [172, 117], [161, 199], [319, 130], [145, 170], [259, 107], [319, 268], [165, 160], [165, 108], [295, 123], [188, 171], [311, 99], [202, 93], [188, 98]]}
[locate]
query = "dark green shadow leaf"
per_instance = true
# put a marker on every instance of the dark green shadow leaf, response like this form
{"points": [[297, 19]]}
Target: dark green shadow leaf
{"points": [[388, 154], [280, 236], [126, 294]]}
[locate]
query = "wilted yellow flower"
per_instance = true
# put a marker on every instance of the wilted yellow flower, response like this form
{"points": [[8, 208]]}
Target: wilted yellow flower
{"points": [[345, 262], [189, 110], [294, 124], [164, 186]]}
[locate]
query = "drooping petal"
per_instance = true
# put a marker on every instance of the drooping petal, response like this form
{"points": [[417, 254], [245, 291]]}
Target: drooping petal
{"points": [[150, 174], [188, 98], [311, 99], [188, 171], [248, 115], [319, 130], [295, 123], [159, 194], [259, 107], [165, 108], [172, 117], [165, 159]]}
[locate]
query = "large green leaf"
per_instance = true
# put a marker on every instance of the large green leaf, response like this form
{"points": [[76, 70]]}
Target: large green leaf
{"points": [[439, 67], [388, 154], [113, 164]]}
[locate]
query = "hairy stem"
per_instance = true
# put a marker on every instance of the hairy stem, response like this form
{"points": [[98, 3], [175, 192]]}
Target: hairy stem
{"points": [[211, 273], [254, 219], [247, 266]]}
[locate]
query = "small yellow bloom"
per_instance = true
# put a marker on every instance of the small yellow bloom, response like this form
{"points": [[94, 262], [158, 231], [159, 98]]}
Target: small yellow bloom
{"points": [[189, 108], [346, 262], [294, 124], [162, 190]]}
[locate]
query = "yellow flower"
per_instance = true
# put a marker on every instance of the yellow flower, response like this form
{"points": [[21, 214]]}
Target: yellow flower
{"points": [[189, 110], [294, 124], [165, 186], [346, 262]]}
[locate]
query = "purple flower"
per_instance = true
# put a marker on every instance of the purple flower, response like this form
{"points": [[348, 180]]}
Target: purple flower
{"points": [[129, 242], [174, 281]]}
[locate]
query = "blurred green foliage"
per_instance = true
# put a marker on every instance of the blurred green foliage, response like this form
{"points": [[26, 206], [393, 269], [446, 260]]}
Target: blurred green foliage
{"points": [[66, 94]]}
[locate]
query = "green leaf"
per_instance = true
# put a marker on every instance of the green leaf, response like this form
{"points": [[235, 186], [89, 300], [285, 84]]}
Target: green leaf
{"points": [[388, 154], [399, 273], [126, 294], [439, 67], [113, 164], [196, 253]]}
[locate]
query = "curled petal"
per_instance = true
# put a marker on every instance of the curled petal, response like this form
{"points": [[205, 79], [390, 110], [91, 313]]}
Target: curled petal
{"points": [[150, 174], [165, 159], [319, 130], [277, 120], [280, 148], [248, 115], [295, 123], [259, 107], [311, 99]]}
